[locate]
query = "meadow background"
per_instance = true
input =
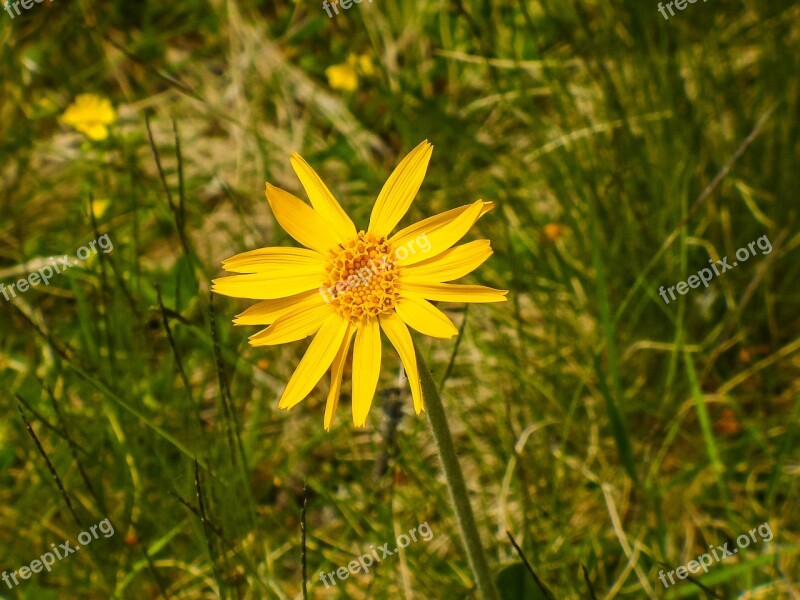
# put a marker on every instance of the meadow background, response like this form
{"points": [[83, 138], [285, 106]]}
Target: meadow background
{"points": [[601, 427]]}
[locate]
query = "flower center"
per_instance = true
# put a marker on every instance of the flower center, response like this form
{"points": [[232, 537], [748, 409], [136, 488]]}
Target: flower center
{"points": [[360, 277]]}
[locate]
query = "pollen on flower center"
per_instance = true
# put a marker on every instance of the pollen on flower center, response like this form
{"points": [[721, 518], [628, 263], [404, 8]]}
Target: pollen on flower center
{"points": [[361, 276]]}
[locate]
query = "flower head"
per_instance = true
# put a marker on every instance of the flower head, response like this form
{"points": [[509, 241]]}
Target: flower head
{"points": [[99, 207], [552, 232], [90, 115], [363, 62], [344, 76], [350, 283]]}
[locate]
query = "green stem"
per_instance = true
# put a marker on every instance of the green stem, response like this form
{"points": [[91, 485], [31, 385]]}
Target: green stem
{"points": [[455, 482]]}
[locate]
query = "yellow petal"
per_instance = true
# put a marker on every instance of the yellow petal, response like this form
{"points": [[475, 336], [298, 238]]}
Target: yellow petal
{"points": [[451, 292], [443, 235], [103, 111], [295, 325], [272, 260], [263, 286], [322, 200], [366, 369], [315, 362], [99, 207], [423, 316], [94, 131], [89, 108], [399, 190], [365, 64], [267, 311], [398, 334], [450, 264], [70, 117], [342, 77], [336, 378], [301, 221], [410, 234]]}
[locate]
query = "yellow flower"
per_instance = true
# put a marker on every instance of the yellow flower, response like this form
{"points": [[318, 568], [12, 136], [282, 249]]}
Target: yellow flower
{"points": [[99, 207], [348, 283], [342, 77], [553, 231], [363, 62], [90, 115], [345, 76]]}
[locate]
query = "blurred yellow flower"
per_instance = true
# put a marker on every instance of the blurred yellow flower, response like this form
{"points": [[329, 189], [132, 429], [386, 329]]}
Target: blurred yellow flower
{"points": [[553, 231], [363, 62], [99, 207], [45, 104], [90, 115], [349, 284], [344, 76]]}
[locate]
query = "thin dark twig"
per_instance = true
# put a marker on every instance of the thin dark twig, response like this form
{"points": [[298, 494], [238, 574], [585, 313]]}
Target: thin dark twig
{"points": [[154, 573], [528, 566], [177, 316], [176, 354], [122, 286], [42, 420], [157, 158], [303, 555], [62, 352], [588, 583], [706, 589], [224, 391], [105, 291], [73, 447], [231, 423], [392, 415], [448, 371], [181, 215], [205, 524], [744, 300], [704, 195], [233, 547], [170, 79], [170, 200], [197, 513], [49, 464]]}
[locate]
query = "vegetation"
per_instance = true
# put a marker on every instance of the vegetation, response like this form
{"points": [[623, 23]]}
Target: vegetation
{"points": [[611, 434]]}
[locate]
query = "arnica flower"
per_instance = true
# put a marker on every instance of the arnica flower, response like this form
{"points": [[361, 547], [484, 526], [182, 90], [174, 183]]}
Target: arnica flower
{"points": [[348, 283], [90, 115]]}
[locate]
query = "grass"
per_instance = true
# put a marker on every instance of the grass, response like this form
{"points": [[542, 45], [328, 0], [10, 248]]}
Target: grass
{"points": [[598, 425]]}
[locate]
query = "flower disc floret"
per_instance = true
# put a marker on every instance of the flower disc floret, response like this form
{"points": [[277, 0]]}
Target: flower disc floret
{"points": [[361, 276]]}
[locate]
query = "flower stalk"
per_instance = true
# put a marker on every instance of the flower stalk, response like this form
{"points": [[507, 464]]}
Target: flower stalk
{"points": [[455, 482]]}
